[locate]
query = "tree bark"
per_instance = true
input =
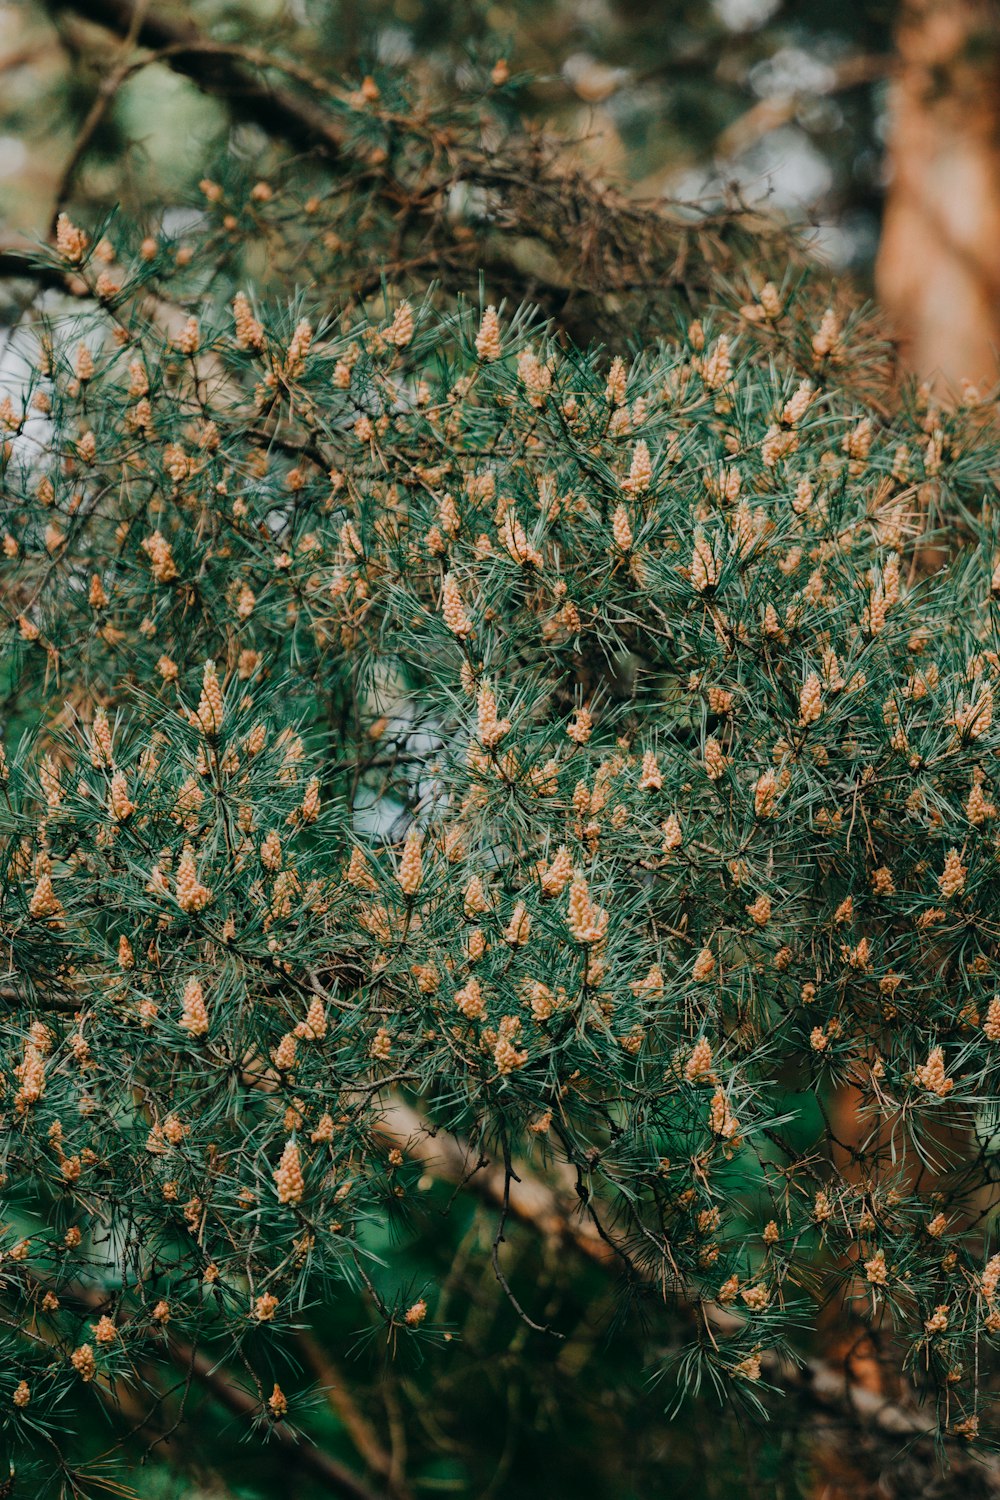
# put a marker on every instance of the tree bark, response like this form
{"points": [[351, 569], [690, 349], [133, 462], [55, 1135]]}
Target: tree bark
{"points": [[938, 267]]}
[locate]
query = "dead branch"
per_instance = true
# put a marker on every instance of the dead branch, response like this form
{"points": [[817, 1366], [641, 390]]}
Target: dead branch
{"points": [[546, 232]]}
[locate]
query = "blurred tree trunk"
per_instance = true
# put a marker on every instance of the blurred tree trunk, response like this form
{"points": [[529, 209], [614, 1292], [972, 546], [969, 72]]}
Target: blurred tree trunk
{"points": [[938, 268]]}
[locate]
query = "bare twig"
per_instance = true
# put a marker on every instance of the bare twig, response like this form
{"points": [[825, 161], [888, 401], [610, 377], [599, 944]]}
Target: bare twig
{"points": [[109, 86], [217, 71]]}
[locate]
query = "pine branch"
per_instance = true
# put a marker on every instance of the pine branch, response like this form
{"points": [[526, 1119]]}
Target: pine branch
{"points": [[540, 1206]]}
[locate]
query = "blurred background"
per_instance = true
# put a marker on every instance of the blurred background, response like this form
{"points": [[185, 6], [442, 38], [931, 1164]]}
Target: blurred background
{"points": [[876, 126], [789, 100]]}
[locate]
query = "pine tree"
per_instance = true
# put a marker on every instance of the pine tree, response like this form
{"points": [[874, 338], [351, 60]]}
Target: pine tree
{"points": [[440, 749]]}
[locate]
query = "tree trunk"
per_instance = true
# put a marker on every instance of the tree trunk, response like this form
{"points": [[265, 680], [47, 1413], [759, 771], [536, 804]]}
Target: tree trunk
{"points": [[938, 268]]}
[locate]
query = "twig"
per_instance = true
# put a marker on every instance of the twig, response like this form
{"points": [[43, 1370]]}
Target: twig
{"points": [[108, 88], [217, 71], [509, 1177]]}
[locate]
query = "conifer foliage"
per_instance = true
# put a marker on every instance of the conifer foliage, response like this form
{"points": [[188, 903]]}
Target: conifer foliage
{"points": [[584, 748]]}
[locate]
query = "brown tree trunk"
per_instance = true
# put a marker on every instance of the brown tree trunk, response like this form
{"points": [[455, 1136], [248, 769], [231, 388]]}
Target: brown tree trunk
{"points": [[938, 268]]}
